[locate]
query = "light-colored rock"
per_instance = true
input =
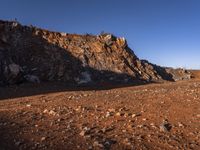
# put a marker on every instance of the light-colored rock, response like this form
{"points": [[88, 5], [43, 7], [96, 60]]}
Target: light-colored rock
{"points": [[84, 78], [63, 34]]}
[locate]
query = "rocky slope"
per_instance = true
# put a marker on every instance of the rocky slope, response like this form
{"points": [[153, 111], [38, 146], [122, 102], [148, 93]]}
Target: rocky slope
{"points": [[31, 54]]}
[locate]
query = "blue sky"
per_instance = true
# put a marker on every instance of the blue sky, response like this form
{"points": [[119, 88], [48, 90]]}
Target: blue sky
{"points": [[165, 32]]}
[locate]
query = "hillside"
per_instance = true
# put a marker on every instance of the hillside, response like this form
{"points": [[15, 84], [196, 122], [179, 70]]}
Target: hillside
{"points": [[30, 54]]}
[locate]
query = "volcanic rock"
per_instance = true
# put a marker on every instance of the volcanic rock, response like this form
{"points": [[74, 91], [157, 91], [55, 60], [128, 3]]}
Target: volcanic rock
{"points": [[35, 55]]}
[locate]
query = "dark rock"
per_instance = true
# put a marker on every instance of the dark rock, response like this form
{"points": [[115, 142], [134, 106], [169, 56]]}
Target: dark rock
{"points": [[165, 126]]}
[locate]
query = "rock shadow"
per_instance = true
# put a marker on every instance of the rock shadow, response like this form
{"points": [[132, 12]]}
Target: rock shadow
{"points": [[57, 69]]}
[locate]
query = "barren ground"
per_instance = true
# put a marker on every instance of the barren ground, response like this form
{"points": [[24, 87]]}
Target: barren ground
{"points": [[51, 116]]}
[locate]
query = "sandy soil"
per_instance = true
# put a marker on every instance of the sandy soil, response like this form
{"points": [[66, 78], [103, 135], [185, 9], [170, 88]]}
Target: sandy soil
{"points": [[51, 116]]}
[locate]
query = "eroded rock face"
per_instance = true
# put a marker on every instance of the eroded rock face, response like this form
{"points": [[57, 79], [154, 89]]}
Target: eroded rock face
{"points": [[35, 55]]}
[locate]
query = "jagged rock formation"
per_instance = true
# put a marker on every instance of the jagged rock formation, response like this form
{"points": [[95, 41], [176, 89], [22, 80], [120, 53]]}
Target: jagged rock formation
{"points": [[31, 54]]}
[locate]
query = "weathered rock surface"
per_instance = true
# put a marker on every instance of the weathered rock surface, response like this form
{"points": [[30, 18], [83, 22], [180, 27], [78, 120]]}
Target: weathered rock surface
{"points": [[34, 55]]}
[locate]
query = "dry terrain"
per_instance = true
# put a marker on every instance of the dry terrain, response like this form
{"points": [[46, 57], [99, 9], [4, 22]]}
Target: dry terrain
{"points": [[52, 116]]}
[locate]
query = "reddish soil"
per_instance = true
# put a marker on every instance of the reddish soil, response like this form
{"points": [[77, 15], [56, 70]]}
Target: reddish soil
{"points": [[50, 116]]}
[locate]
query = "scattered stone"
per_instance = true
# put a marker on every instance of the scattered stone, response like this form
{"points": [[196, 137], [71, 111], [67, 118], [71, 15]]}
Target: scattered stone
{"points": [[108, 114], [43, 138], [45, 111], [165, 126], [18, 143], [119, 114], [136, 115], [144, 119], [51, 112], [153, 125], [28, 105], [107, 143], [111, 110], [104, 130], [97, 144], [82, 133], [181, 125], [85, 131]]}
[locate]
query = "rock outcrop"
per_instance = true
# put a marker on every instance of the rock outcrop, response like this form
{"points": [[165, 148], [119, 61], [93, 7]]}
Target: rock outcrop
{"points": [[30, 54]]}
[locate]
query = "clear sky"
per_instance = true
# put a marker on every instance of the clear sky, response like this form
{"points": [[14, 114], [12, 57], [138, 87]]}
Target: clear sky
{"points": [[165, 32]]}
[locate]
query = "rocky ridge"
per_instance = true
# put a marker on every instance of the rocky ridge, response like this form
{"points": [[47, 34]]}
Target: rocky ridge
{"points": [[30, 54]]}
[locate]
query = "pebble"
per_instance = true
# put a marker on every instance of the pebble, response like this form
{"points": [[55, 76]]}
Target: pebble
{"points": [[180, 124], [28, 105], [165, 126], [111, 110], [51, 112], [18, 143], [45, 111], [97, 144], [108, 114], [43, 138], [135, 115], [119, 114], [85, 131], [82, 133], [144, 119]]}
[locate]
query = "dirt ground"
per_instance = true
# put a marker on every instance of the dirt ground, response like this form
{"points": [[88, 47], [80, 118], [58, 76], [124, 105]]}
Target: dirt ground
{"points": [[145, 117]]}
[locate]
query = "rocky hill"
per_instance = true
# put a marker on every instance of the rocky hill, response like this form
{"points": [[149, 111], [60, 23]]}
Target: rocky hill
{"points": [[30, 54]]}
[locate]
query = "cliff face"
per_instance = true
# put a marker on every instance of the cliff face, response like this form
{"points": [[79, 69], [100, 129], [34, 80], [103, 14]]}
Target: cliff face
{"points": [[35, 55]]}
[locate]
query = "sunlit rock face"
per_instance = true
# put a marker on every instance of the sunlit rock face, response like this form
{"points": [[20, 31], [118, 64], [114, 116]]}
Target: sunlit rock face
{"points": [[30, 54]]}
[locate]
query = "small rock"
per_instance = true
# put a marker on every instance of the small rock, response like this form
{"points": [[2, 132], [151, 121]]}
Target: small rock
{"points": [[108, 114], [119, 114], [18, 143], [135, 115], [43, 138], [144, 119], [111, 110], [107, 143], [45, 111], [97, 144], [180, 124], [140, 126], [85, 131], [153, 125], [28, 105], [51, 112], [82, 133], [104, 130], [165, 126]]}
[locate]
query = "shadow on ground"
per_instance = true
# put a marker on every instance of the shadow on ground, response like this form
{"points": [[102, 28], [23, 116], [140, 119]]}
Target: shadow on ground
{"points": [[36, 52], [27, 89]]}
